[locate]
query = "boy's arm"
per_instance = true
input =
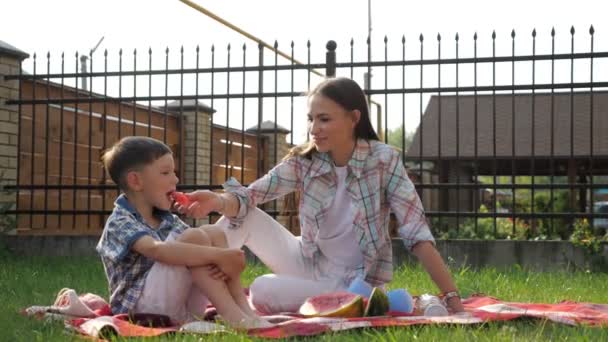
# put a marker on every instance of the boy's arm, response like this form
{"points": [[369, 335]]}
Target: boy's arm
{"points": [[187, 254]]}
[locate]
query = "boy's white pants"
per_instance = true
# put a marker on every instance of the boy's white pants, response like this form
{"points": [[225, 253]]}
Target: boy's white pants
{"points": [[294, 278], [169, 290]]}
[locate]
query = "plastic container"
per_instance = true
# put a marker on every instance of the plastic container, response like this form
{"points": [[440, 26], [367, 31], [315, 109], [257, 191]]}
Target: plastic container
{"points": [[360, 287], [399, 300], [429, 305]]}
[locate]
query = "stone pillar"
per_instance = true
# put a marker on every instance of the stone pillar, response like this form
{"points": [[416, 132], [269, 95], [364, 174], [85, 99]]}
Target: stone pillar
{"points": [[10, 64], [279, 134], [196, 156]]}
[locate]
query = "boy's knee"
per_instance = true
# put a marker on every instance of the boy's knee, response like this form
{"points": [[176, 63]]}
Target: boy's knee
{"points": [[196, 236], [216, 234]]}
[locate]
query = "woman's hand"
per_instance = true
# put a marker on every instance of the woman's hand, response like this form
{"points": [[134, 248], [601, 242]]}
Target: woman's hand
{"points": [[202, 202], [455, 305]]}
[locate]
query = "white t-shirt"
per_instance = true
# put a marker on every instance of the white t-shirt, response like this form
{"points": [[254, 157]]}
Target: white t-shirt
{"points": [[337, 238]]}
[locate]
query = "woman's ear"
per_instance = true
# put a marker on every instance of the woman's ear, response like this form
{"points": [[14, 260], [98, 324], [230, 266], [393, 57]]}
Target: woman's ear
{"points": [[356, 117], [134, 181]]}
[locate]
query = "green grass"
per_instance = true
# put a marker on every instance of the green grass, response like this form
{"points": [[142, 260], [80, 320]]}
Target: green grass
{"points": [[27, 281]]}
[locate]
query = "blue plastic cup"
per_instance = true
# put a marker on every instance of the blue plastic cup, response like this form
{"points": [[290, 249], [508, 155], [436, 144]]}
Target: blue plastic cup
{"points": [[360, 287], [400, 300]]}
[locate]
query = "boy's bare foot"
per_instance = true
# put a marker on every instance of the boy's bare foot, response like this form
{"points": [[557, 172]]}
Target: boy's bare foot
{"points": [[255, 323], [249, 323]]}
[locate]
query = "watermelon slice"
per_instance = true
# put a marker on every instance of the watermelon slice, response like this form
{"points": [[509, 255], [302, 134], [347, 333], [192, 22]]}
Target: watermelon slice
{"points": [[181, 198], [335, 304], [377, 305]]}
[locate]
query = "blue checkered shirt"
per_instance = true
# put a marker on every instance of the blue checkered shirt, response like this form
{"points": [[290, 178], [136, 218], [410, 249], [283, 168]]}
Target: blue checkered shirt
{"points": [[126, 269]]}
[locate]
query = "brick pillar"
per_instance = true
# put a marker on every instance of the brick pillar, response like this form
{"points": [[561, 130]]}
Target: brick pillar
{"points": [[269, 130], [10, 64], [197, 142]]}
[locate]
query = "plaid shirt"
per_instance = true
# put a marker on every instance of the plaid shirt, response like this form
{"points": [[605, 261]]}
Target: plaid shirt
{"points": [[378, 184], [126, 269]]}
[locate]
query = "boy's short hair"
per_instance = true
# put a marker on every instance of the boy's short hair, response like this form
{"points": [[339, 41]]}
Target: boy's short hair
{"points": [[130, 154]]}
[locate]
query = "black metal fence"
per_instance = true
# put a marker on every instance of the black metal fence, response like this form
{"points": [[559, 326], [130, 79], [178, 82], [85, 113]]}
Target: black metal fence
{"points": [[499, 146]]}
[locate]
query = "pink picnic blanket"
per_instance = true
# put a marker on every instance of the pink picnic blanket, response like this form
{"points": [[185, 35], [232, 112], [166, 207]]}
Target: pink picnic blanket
{"points": [[97, 323]]}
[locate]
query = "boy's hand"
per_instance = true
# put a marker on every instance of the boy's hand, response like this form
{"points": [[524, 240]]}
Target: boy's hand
{"points": [[202, 202], [216, 273], [231, 261]]}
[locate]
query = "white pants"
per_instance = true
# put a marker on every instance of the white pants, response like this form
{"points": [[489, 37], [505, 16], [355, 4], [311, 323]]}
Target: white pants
{"points": [[294, 278], [169, 290]]}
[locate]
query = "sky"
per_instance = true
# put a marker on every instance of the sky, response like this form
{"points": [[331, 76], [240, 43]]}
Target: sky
{"points": [[70, 26]]}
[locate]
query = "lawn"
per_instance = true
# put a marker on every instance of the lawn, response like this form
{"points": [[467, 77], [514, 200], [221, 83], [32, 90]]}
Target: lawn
{"points": [[27, 281]]}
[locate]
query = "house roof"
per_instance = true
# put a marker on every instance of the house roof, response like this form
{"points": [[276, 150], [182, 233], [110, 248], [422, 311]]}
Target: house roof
{"points": [[10, 50], [516, 108], [189, 106], [269, 127]]}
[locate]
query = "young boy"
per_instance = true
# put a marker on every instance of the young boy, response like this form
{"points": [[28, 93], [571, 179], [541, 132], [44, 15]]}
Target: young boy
{"points": [[153, 261]]}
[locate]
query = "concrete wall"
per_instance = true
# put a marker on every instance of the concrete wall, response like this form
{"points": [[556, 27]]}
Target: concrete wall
{"points": [[501, 254]]}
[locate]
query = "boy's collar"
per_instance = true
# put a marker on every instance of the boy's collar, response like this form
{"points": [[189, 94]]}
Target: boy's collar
{"points": [[123, 202]]}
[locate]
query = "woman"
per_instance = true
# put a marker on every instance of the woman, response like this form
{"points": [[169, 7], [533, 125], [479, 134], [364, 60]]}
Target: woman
{"points": [[349, 183]]}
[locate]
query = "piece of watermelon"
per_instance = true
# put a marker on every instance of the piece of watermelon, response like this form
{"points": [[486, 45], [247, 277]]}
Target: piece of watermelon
{"points": [[335, 304], [181, 198], [377, 305]]}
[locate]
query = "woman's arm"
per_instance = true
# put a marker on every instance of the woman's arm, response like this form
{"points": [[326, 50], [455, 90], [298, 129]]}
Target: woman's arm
{"points": [[414, 230], [432, 262], [235, 201]]}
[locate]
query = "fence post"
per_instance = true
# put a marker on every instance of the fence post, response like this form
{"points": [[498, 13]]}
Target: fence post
{"points": [[260, 168], [10, 65], [330, 59]]}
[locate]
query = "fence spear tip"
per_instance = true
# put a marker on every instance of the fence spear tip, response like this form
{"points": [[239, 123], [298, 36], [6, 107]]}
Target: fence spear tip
{"points": [[534, 33], [591, 30]]}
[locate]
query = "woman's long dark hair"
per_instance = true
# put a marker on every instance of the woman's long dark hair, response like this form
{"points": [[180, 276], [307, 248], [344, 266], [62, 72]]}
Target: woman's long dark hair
{"points": [[349, 96]]}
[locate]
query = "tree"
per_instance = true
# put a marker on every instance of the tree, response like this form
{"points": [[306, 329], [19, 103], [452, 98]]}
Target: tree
{"points": [[395, 138]]}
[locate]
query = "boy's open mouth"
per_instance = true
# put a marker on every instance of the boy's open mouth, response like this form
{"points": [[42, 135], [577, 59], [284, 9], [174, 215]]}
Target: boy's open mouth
{"points": [[170, 195]]}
